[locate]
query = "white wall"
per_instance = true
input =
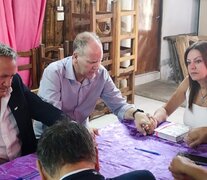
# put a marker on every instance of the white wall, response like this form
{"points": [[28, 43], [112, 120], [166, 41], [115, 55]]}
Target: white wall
{"points": [[179, 17]]}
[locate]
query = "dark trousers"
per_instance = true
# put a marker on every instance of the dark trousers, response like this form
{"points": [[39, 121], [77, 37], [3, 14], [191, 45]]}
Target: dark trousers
{"points": [[135, 175]]}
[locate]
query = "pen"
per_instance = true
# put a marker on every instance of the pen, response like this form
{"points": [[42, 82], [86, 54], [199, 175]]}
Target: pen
{"points": [[147, 151]]}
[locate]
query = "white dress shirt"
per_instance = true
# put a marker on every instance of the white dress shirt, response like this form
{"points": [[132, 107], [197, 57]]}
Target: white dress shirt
{"points": [[10, 145]]}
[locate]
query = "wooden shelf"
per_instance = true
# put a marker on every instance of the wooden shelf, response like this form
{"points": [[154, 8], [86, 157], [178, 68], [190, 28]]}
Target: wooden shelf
{"points": [[127, 55], [128, 13], [125, 50]]}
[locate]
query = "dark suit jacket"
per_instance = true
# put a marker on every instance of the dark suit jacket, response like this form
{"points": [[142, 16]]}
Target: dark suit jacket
{"points": [[92, 174], [26, 106], [85, 175]]}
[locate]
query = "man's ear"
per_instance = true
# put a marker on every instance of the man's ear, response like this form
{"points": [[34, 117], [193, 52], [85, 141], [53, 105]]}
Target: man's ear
{"points": [[41, 170], [75, 57]]}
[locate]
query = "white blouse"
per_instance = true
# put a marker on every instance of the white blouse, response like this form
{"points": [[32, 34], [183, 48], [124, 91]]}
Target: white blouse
{"points": [[197, 117]]}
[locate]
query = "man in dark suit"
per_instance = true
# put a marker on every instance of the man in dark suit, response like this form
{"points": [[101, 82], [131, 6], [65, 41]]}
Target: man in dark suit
{"points": [[17, 109], [66, 151]]}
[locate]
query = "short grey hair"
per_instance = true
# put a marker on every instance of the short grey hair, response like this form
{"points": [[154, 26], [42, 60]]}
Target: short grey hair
{"points": [[6, 51], [82, 39], [66, 142]]}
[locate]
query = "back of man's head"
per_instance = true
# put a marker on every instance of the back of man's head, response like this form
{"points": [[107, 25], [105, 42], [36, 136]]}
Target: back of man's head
{"points": [[65, 143]]}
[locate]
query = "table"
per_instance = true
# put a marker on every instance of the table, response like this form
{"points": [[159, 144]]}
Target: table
{"points": [[20, 168], [117, 154]]}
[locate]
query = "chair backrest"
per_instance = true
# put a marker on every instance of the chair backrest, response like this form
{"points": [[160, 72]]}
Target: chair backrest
{"points": [[31, 66], [35, 90], [48, 55]]}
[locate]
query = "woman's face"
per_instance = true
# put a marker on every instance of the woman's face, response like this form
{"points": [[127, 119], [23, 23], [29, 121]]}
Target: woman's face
{"points": [[196, 65]]}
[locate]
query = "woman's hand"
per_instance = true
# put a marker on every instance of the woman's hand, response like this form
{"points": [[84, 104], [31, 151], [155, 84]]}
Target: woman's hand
{"points": [[178, 167], [196, 136], [149, 128]]}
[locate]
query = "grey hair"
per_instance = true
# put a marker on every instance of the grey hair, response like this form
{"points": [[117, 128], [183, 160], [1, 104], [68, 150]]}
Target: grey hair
{"points": [[66, 142], [6, 51], [81, 41]]}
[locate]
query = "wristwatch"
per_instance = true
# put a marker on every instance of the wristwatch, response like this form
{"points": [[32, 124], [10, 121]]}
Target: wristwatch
{"points": [[137, 110]]}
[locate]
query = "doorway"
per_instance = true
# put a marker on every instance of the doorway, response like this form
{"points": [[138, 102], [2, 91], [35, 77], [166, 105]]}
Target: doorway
{"points": [[149, 25]]}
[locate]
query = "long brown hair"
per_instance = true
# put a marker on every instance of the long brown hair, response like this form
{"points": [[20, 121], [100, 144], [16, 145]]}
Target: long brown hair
{"points": [[201, 46]]}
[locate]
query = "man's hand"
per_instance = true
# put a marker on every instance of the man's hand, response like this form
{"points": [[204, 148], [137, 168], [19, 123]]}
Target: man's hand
{"points": [[196, 136], [142, 123], [94, 132]]}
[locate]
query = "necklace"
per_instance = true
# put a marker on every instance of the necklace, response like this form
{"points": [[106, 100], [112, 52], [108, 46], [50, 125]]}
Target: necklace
{"points": [[203, 97]]}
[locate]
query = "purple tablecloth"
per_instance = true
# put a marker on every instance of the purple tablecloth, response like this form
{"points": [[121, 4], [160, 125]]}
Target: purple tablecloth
{"points": [[20, 168], [117, 154]]}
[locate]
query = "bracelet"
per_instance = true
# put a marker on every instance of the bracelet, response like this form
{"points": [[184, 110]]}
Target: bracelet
{"points": [[138, 110]]}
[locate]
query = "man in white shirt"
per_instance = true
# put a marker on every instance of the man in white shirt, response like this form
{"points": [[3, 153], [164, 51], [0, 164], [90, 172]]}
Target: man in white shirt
{"points": [[18, 106]]}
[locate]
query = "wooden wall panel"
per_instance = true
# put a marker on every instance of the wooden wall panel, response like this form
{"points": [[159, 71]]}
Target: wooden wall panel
{"points": [[48, 25], [65, 27]]}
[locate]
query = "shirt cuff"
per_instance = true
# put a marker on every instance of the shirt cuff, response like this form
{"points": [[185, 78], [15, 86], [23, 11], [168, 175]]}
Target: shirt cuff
{"points": [[122, 111]]}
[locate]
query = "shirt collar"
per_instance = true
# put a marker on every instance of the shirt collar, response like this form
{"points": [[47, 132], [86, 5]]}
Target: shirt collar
{"points": [[73, 172], [4, 100], [10, 90], [69, 74]]}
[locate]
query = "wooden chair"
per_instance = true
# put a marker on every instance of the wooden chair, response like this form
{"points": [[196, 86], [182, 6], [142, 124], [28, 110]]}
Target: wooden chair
{"points": [[66, 47], [31, 66], [125, 57], [100, 110], [79, 17], [48, 55], [125, 82], [35, 90]]}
